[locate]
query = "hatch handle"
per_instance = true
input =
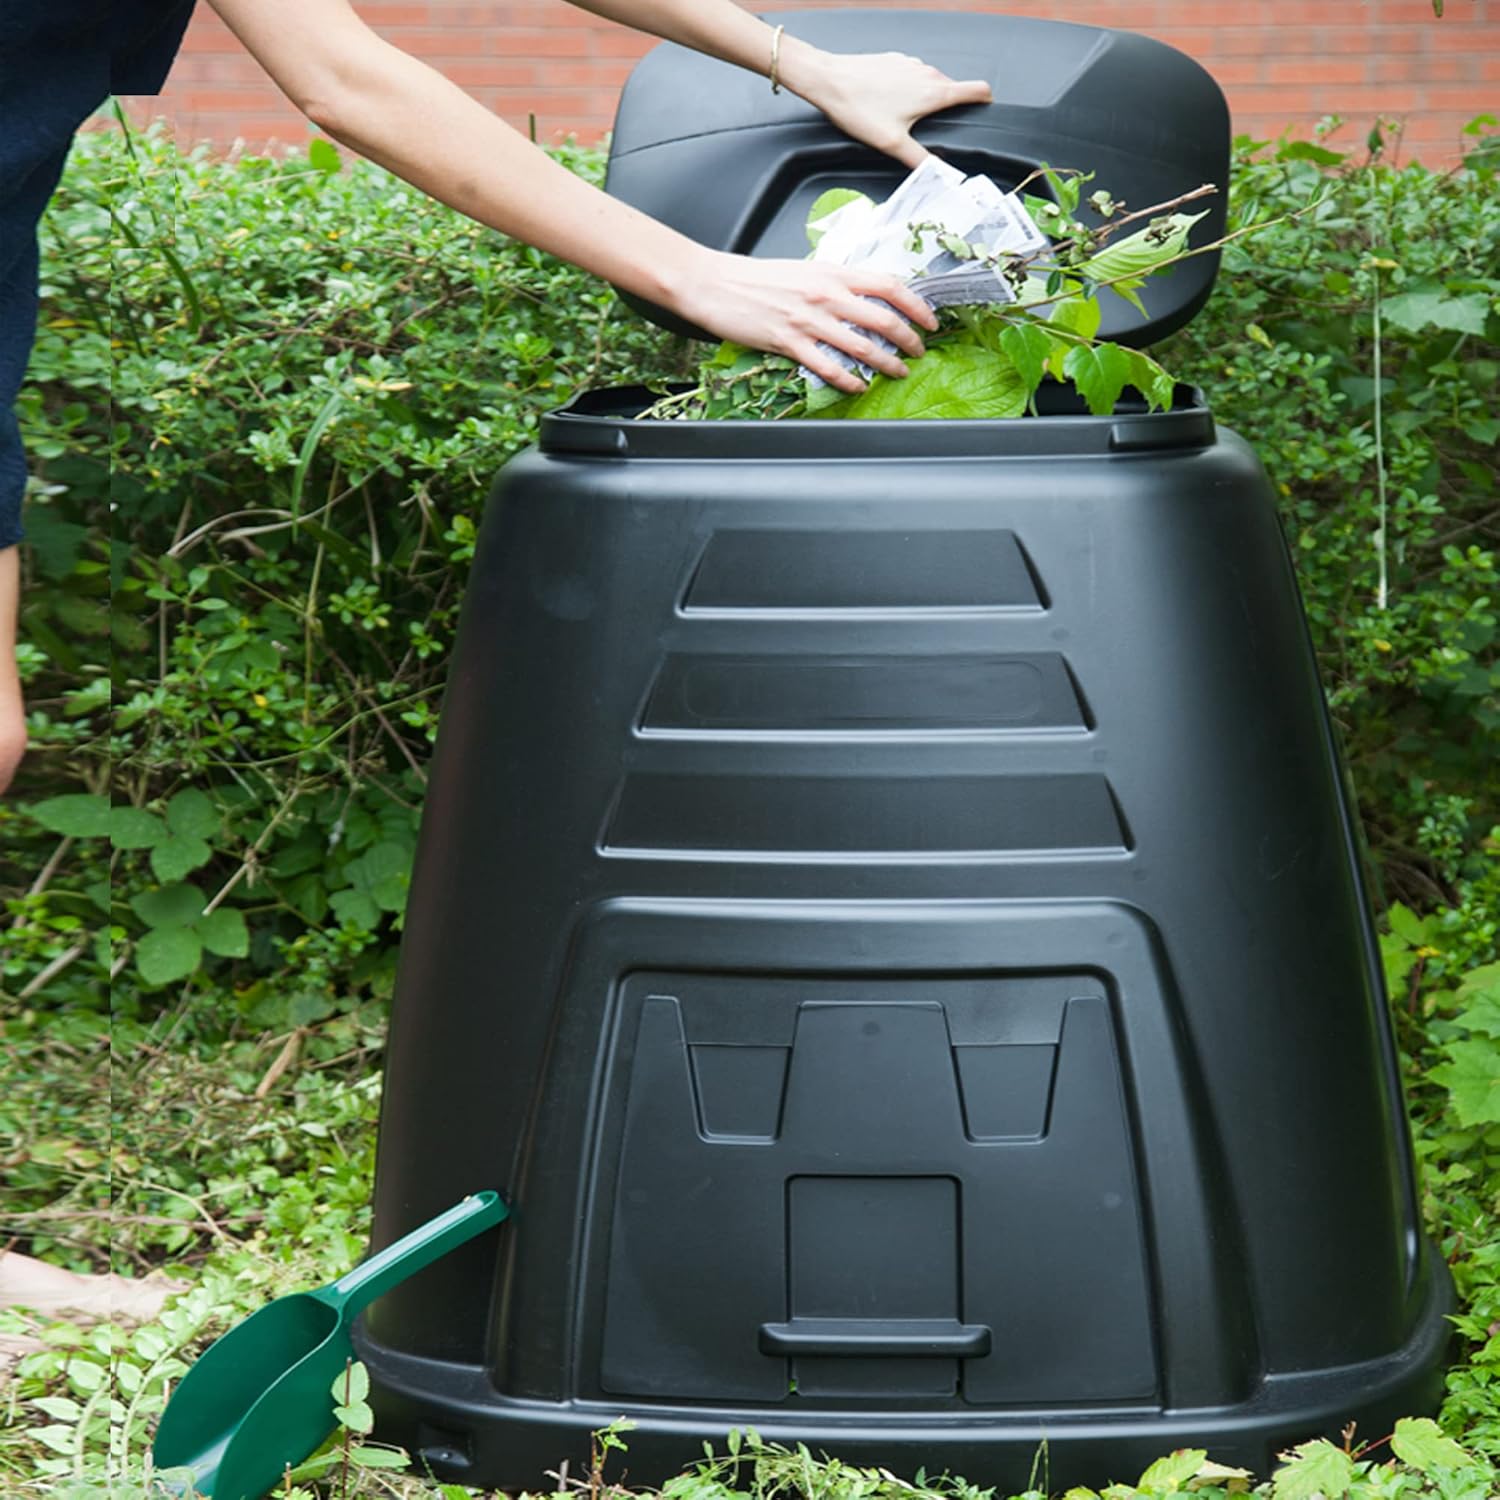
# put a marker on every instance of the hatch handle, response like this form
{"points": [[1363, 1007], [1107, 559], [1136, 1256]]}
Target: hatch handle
{"points": [[862, 1338]]}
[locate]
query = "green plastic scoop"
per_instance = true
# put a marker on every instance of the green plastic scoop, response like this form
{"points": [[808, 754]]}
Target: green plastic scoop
{"points": [[261, 1397]]}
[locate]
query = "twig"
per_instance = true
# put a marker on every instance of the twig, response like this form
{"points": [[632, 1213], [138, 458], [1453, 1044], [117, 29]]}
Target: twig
{"points": [[51, 970]]}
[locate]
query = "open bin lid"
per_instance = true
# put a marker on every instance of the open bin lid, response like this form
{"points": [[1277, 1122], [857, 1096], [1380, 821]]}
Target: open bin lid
{"points": [[709, 149]]}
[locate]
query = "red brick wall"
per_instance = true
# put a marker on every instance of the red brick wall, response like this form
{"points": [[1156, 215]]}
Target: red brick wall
{"points": [[1283, 63]]}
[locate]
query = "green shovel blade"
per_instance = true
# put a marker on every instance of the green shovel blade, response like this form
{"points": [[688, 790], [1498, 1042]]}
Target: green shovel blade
{"points": [[260, 1398]]}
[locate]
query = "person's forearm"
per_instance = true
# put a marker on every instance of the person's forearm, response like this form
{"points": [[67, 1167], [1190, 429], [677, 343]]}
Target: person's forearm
{"points": [[723, 30], [404, 115]]}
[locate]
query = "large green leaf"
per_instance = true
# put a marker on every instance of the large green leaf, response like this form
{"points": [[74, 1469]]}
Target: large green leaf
{"points": [[1434, 308], [224, 932], [179, 855], [135, 828], [1026, 346], [1420, 1442], [1138, 254], [166, 954], [79, 815], [170, 906], [950, 381], [1315, 1471], [1171, 1473], [191, 812], [1101, 372], [1472, 1078]]}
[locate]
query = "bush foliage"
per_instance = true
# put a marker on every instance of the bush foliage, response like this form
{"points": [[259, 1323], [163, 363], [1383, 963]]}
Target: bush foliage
{"points": [[266, 406]]}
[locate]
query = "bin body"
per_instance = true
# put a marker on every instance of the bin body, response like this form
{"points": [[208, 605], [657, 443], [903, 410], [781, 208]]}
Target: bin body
{"points": [[888, 918]]}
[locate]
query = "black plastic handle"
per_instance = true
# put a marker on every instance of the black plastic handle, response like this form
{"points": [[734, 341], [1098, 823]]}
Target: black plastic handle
{"points": [[863, 1338]]}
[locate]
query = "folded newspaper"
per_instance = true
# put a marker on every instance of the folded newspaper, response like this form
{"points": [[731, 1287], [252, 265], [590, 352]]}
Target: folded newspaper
{"points": [[904, 237]]}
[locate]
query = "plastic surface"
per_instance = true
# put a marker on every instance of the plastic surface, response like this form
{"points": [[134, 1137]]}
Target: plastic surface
{"points": [[259, 1398], [887, 911], [709, 149]]}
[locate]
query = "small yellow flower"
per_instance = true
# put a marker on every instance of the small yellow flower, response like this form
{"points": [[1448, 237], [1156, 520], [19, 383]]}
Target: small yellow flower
{"points": [[1382, 646], [260, 700]]}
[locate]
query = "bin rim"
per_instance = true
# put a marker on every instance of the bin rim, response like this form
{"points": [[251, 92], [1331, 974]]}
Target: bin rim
{"points": [[603, 423]]}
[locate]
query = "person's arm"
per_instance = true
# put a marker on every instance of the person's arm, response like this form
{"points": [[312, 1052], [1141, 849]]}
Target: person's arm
{"points": [[874, 97], [399, 112], [12, 710]]}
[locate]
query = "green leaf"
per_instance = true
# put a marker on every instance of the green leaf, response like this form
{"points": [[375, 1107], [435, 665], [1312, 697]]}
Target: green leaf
{"points": [[1472, 1078], [1100, 372], [821, 397], [191, 812], [171, 906], [1308, 151], [1174, 1471], [824, 205], [79, 815], [357, 1417], [380, 1458], [1434, 308], [1078, 315], [1026, 346], [351, 1384], [950, 381], [166, 954], [1420, 1442], [179, 855], [1141, 253], [224, 932], [355, 908], [323, 154], [1315, 1471], [135, 828], [1406, 925]]}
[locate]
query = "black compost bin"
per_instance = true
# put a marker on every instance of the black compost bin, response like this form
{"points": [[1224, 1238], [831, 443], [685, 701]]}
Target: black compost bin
{"points": [[888, 915]]}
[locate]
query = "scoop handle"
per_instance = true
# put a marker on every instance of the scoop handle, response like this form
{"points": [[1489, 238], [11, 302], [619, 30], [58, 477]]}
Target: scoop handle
{"points": [[375, 1276]]}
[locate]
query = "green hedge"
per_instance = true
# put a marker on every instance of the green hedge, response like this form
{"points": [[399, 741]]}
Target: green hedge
{"points": [[266, 406]]}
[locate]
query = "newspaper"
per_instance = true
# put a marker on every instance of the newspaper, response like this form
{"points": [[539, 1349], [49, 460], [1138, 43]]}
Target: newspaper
{"points": [[880, 237]]}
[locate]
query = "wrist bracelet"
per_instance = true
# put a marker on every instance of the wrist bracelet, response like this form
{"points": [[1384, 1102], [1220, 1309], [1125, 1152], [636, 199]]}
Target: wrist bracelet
{"points": [[776, 59]]}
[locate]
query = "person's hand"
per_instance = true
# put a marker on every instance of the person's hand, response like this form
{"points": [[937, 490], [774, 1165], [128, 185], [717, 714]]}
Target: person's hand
{"points": [[876, 97], [787, 306]]}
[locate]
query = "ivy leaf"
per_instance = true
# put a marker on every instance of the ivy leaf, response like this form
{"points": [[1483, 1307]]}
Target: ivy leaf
{"points": [[825, 205], [1472, 1078], [1174, 1471], [950, 380], [1026, 346], [179, 855], [1420, 1442], [171, 906], [1434, 308], [79, 815], [135, 828], [1139, 254], [166, 954], [190, 812], [1314, 1471], [224, 932], [1100, 372]]}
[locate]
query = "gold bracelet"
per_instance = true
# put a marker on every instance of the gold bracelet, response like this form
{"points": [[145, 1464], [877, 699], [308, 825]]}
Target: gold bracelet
{"points": [[776, 60]]}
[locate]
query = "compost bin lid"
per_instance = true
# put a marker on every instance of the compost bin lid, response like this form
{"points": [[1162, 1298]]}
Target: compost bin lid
{"points": [[709, 149]]}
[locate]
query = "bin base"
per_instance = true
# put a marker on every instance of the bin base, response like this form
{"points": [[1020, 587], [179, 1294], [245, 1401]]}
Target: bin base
{"points": [[456, 1426]]}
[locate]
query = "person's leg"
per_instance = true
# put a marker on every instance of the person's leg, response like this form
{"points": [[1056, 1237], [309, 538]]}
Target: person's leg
{"points": [[18, 313]]}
